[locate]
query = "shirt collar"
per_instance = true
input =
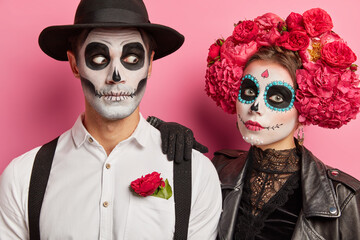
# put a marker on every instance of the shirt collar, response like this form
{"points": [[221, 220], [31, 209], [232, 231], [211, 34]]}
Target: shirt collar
{"points": [[79, 132], [141, 133]]}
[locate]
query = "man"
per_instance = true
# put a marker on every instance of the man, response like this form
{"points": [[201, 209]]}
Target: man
{"points": [[110, 48]]}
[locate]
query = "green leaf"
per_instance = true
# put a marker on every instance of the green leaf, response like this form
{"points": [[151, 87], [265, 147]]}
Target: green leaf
{"points": [[163, 192]]}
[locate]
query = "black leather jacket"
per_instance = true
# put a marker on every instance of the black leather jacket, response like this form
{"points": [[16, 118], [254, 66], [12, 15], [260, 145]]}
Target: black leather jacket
{"points": [[331, 198]]}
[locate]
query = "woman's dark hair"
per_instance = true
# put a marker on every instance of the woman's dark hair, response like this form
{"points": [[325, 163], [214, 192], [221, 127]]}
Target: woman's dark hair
{"points": [[286, 58]]}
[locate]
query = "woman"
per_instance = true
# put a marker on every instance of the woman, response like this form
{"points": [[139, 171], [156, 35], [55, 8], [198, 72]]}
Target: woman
{"points": [[279, 189], [278, 76]]}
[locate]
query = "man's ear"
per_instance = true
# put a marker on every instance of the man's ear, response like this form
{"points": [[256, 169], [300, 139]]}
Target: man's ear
{"points": [[150, 65], [73, 65]]}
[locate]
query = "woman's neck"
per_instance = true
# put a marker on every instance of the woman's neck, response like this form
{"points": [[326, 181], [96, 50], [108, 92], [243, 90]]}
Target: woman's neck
{"points": [[285, 143]]}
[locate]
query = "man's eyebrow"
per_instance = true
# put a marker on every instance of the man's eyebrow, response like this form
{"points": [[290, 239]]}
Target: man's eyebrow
{"points": [[101, 41], [107, 42]]}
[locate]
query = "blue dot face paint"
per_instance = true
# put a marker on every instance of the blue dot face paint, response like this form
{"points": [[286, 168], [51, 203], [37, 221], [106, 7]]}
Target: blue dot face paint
{"points": [[279, 96], [265, 107], [249, 89]]}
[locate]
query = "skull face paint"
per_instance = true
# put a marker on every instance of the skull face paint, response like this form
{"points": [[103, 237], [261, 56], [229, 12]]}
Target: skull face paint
{"points": [[265, 110], [113, 66]]}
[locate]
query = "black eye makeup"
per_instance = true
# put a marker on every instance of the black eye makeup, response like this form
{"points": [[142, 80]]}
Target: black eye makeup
{"points": [[249, 89], [133, 56], [97, 56], [279, 96]]}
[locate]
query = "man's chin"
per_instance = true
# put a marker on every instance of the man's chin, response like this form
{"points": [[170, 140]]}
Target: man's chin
{"points": [[114, 115], [111, 109]]}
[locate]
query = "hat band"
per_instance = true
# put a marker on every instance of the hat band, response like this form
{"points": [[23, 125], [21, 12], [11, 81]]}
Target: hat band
{"points": [[111, 15]]}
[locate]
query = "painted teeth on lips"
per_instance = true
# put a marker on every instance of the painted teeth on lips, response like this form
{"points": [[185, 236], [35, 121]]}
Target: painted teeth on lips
{"points": [[253, 126], [116, 97]]}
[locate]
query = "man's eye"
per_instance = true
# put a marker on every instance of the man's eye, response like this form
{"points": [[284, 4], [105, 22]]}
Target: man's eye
{"points": [[131, 59], [276, 98], [99, 60], [249, 92]]}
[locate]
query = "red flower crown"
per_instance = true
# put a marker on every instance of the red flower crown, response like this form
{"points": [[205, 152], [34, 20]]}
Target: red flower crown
{"points": [[328, 91]]}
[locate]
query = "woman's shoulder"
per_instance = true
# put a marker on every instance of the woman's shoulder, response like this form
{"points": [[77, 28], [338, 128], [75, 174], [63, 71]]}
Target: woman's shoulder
{"points": [[229, 163], [225, 157], [339, 177], [334, 174]]}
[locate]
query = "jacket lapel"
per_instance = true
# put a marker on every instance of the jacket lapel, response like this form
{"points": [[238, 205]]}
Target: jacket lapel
{"points": [[319, 198]]}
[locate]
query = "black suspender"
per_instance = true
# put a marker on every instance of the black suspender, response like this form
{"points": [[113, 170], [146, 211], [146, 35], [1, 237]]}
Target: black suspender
{"points": [[38, 181], [182, 198], [40, 176]]}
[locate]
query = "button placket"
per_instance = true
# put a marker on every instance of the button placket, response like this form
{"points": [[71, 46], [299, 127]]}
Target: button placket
{"points": [[106, 209]]}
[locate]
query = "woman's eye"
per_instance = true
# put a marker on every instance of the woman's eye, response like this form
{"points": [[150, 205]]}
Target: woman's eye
{"points": [[249, 92], [131, 59], [276, 98], [99, 60]]}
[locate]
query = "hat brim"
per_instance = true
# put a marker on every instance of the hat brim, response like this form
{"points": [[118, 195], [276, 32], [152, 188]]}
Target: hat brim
{"points": [[54, 40]]}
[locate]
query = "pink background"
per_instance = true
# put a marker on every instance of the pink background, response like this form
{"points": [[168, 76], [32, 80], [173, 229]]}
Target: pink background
{"points": [[40, 99]]}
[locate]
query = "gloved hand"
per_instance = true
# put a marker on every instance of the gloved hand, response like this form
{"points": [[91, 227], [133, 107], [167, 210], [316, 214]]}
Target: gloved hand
{"points": [[177, 141]]}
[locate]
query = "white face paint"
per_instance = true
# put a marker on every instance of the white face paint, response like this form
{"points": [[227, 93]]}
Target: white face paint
{"points": [[113, 67], [265, 111]]}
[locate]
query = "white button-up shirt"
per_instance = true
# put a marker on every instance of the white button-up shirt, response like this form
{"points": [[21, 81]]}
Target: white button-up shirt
{"points": [[88, 194]]}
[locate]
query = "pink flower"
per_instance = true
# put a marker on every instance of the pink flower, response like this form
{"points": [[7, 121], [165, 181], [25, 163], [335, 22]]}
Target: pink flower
{"points": [[222, 83], [245, 31], [268, 29], [353, 67], [329, 37], [338, 54], [237, 53], [281, 27], [268, 21], [317, 21], [268, 37], [295, 22], [214, 51], [294, 41], [328, 97], [312, 53]]}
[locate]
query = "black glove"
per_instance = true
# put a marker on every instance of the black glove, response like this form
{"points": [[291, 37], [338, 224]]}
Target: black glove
{"points": [[177, 140]]}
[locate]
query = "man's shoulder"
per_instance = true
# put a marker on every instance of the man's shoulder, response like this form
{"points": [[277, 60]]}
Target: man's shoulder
{"points": [[21, 166], [24, 161], [17, 174], [202, 165]]}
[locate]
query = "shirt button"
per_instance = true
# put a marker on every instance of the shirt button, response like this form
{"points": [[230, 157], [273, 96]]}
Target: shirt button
{"points": [[108, 166], [91, 140], [105, 204]]}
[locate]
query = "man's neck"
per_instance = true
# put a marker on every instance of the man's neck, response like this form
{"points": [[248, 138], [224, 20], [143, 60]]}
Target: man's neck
{"points": [[110, 132]]}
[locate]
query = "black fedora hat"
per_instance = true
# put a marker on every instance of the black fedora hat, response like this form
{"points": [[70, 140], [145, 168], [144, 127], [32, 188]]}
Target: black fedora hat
{"points": [[54, 40]]}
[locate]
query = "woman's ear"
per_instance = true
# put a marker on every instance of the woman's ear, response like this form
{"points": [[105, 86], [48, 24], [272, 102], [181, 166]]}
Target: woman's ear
{"points": [[300, 135], [73, 65]]}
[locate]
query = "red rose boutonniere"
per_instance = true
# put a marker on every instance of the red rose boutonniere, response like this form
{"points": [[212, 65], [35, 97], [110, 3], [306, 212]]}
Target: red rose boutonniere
{"points": [[152, 185]]}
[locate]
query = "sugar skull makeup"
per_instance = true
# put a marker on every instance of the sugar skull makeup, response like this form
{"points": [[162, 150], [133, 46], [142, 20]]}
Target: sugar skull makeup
{"points": [[113, 67], [265, 106]]}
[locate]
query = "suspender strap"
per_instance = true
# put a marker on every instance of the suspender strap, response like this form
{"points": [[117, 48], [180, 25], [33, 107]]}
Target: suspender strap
{"points": [[38, 182], [182, 198]]}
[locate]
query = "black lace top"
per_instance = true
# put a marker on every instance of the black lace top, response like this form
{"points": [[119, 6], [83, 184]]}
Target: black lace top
{"points": [[271, 199]]}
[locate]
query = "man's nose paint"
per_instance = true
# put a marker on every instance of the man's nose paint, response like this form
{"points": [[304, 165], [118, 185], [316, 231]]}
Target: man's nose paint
{"points": [[116, 76]]}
